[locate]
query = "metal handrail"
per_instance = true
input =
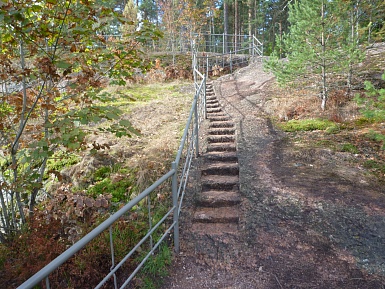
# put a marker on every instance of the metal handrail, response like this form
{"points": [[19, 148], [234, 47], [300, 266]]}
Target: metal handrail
{"points": [[208, 61], [177, 196]]}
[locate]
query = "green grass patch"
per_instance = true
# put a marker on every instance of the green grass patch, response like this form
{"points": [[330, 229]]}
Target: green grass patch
{"points": [[325, 143], [156, 267], [127, 96], [363, 121], [61, 160], [375, 166], [376, 137], [121, 187], [309, 125], [350, 148]]}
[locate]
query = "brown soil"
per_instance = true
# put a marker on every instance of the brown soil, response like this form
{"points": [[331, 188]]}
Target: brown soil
{"points": [[311, 216]]}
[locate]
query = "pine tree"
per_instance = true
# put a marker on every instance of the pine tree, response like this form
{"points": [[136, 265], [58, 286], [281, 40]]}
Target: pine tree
{"points": [[312, 45], [130, 12]]}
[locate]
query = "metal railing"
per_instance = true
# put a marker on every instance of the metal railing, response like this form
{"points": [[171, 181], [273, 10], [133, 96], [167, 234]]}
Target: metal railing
{"points": [[225, 62], [178, 175], [257, 47], [224, 43]]}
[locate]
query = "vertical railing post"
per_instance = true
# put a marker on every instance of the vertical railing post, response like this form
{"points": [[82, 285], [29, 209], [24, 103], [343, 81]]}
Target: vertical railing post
{"points": [[231, 62], [223, 43], [204, 98], [196, 123], [194, 65], [253, 47], [112, 255], [174, 187]]}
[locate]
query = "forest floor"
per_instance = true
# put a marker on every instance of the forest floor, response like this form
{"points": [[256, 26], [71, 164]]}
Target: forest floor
{"points": [[312, 216]]}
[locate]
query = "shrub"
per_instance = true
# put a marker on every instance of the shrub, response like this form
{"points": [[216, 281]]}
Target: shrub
{"points": [[374, 103]]}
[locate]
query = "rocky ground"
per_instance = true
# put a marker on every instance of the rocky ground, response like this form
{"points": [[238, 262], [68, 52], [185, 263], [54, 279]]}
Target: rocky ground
{"points": [[310, 216]]}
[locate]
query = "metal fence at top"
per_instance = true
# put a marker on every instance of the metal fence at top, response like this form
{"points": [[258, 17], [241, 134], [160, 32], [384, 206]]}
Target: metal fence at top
{"points": [[224, 43], [210, 43], [216, 64], [176, 178]]}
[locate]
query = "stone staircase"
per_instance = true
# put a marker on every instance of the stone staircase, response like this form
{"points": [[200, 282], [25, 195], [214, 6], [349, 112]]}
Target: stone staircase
{"points": [[217, 208]]}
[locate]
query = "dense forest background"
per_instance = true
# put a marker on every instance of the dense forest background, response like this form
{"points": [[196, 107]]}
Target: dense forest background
{"points": [[267, 20]]}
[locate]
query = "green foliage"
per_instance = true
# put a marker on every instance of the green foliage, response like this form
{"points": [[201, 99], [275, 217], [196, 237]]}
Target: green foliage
{"points": [[374, 103], [54, 53], [61, 160], [121, 187], [156, 267], [377, 137], [317, 43], [350, 148], [377, 167], [363, 121], [307, 125], [102, 173]]}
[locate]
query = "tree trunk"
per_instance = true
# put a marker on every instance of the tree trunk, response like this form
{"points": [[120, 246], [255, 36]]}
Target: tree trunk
{"points": [[323, 65], [236, 25], [15, 145], [4, 213], [250, 26], [225, 26]]}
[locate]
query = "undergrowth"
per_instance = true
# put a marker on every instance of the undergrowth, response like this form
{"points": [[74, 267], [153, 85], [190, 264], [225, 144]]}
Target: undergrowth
{"points": [[120, 185], [308, 125], [71, 211]]}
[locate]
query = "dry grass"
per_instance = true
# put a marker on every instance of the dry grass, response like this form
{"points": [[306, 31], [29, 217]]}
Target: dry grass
{"points": [[159, 111]]}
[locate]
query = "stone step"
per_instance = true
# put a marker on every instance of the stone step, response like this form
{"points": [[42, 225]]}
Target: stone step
{"points": [[221, 131], [213, 229], [221, 113], [221, 168], [220, 157], [219, 124], [212, 105], [217, 215], [216, 199], [217, 117], [221, 147], [220, 138], [214, 110], [218, 182]]}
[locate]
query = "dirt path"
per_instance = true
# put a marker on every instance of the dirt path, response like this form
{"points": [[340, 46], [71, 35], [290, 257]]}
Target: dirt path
{"points": [[310, 217]]}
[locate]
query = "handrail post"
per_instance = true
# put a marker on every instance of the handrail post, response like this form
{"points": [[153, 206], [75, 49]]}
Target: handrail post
{"points": [[174, 186], [253, 47], [231, 62], [223, 43], [196, 124], [204, 99]]}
